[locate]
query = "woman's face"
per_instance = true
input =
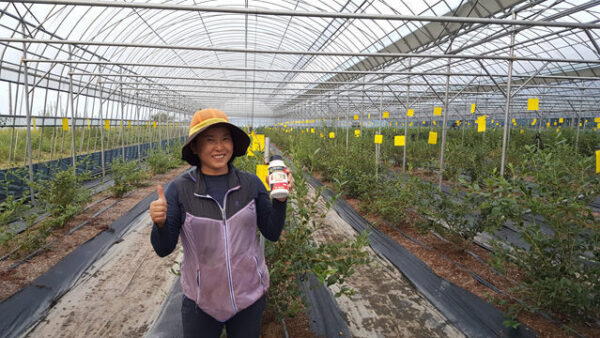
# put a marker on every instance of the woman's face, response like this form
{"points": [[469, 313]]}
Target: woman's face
{"points": [[214, 147]]}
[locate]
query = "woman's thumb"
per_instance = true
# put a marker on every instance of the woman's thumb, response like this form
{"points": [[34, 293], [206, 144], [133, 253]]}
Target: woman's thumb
{"points": [[161, 193]]}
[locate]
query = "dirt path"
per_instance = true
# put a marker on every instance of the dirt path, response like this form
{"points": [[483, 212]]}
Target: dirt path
{"points": [[385, 304], [119, 296]]}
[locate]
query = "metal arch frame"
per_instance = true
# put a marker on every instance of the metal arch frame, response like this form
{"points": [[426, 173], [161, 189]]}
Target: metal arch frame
{"points": [[327, 59]]}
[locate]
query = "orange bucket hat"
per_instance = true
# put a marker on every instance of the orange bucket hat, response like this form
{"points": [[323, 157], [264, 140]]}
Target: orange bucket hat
{"points": [[206, 118]]}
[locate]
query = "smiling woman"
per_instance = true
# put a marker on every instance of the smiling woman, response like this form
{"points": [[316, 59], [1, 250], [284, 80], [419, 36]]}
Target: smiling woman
{"points": [[217, 209]]}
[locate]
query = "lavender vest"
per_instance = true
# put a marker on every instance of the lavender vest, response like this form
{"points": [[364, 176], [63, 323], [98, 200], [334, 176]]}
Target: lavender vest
{"points": [[223, 268]]}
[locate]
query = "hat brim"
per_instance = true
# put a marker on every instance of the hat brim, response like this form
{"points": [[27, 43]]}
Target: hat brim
{"points": [[241, 141]]}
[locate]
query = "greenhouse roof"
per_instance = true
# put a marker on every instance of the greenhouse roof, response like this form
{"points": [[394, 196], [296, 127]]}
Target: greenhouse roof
{"points": [[285, 60]]}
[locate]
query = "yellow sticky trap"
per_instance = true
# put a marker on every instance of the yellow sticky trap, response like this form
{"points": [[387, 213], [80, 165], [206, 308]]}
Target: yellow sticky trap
{"points": [[369, 116], [423, 122], [597, 161], [321, 135], [598, 125], [521, 131], [356, 117], [561, 120], [88, 124], [555, 123], [481, 124], [596, 119], [432, 137], [129, 125], [434, 123], [548, 124], [410, 113], [154, 124], [397, 123], [534, 122], [458, 122], [262, 171], [437, 111], [312, 130], [331, 134], [472, 108], [250, 153], [258, 142], [533, 104], [378, 139], [410, 124], [356, 132], [65, 123], [399, 141], [148, 124], [34, 126], [514, 121], [386, 114]]}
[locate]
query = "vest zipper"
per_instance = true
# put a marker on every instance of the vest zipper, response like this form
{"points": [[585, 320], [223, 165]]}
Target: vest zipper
{"points": [[227, 258]]}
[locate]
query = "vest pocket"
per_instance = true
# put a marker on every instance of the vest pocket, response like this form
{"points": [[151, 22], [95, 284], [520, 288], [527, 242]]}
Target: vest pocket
{"points": [[197, 286], [260, 275]]}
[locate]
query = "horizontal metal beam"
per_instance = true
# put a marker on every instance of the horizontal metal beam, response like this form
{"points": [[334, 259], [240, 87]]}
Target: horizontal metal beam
{"points": [[386, 73], [294, 52], [145, 84], [351, 16]]}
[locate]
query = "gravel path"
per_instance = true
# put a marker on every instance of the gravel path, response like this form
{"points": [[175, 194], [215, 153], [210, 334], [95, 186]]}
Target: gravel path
{"points": [[385, 303]]}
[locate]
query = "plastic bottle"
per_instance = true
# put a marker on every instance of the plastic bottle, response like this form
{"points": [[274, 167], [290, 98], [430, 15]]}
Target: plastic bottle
{"points": [[278, 181]]}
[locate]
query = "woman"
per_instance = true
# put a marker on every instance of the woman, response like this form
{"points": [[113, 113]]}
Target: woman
{"points": [[216, 209]]}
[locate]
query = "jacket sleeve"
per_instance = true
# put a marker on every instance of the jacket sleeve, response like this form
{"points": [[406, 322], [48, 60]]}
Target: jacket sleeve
{"points": [[165, 239], [270, 213]]}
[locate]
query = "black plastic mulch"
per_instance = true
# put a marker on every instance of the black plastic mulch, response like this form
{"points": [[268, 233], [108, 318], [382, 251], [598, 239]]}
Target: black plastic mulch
{"points": [[29, 305], [470, 314]]}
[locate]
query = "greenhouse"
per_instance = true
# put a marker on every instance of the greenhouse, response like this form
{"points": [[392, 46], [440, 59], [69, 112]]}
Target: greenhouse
{"points": [[300, 168]]}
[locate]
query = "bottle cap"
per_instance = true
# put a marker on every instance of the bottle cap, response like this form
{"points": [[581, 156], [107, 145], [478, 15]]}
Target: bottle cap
{"points": [[275, 157]]}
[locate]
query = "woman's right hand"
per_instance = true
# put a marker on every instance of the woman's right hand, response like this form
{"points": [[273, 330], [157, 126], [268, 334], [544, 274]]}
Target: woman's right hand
{"points": [[158, 208]]}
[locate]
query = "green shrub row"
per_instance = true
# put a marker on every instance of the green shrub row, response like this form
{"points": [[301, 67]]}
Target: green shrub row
{"points": [[553, 181]]}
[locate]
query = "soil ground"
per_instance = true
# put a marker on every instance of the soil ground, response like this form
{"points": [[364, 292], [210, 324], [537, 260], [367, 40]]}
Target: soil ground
{"points": [[15, 279]]}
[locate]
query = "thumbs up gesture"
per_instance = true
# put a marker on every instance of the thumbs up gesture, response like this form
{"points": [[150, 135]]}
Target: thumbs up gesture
{"points": [[158, 208]]}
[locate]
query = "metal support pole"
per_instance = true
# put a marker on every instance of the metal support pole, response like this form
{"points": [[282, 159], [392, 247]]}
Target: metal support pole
{"points": [[122, 130], [101, 131], [347, 126], [10, 112], [377, 147], [267, 149], [444, 123], [139, 129], [28, 108], [578, 118], [72, 107], [508, 97], [406, 120]]}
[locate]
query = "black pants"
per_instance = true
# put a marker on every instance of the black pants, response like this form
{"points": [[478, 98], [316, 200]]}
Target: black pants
{"points": [[246, 323]]}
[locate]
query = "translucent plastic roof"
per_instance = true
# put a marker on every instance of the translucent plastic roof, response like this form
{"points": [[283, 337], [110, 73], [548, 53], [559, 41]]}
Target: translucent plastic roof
{"points": [[298, 59]]}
